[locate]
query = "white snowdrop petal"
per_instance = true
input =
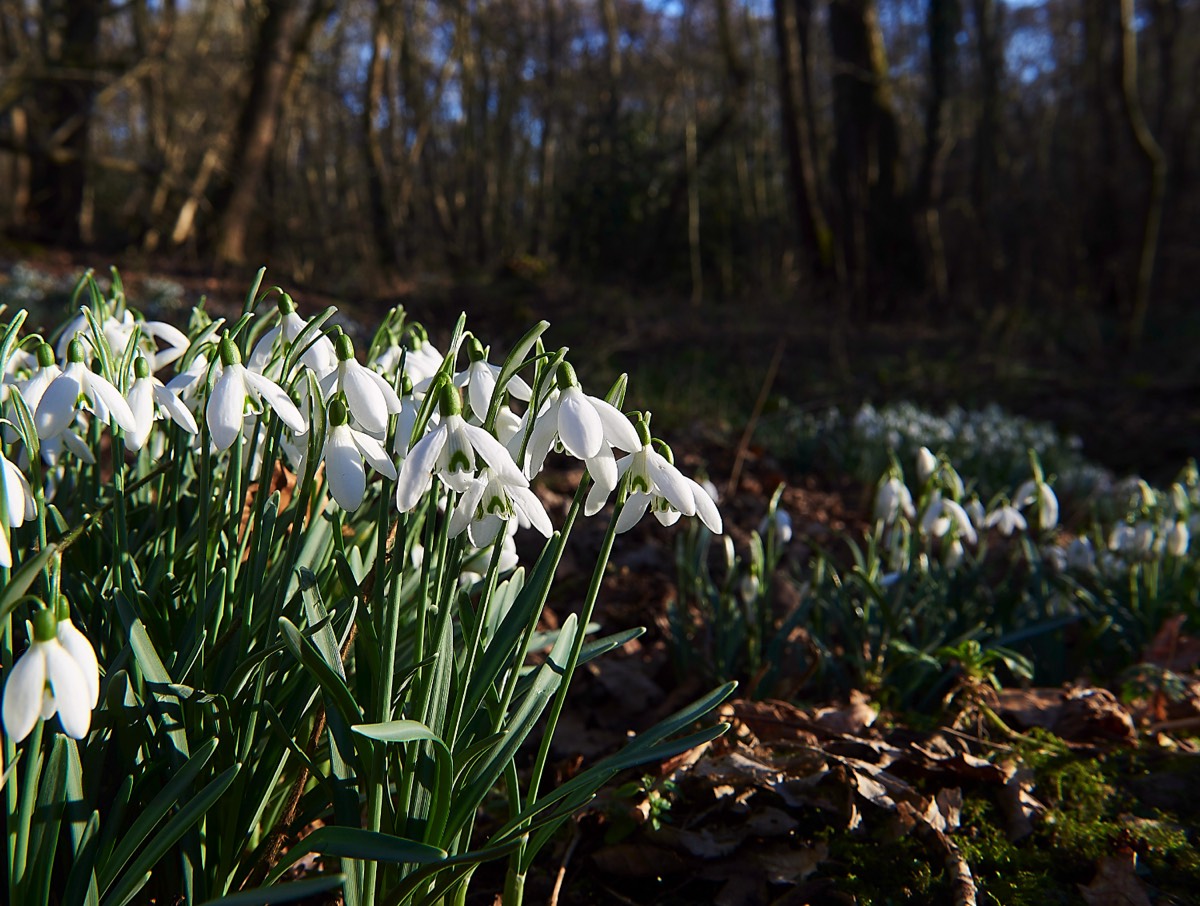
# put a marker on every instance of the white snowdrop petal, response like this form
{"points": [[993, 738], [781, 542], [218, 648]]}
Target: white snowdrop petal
{"points": [[175, 408], [226, 406], [671, 483], [416, 473], [485, 531], [78, 446], [81, 651], [633, 511], [58, 406], [495, 455], [603, 469], [278, 400], [141, 404], [530, 506], [344, 469], [464, 510], [390, 397], [375, 453], [481, 386], [98, 389], [70, 691], [706, 508], [364, 398], [261, 354], [579, 425], [23, 693], [618, 429]]}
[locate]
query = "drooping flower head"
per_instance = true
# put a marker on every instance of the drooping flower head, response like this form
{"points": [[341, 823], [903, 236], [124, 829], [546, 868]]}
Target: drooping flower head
{"points": [[237, 386], [79, 387]]}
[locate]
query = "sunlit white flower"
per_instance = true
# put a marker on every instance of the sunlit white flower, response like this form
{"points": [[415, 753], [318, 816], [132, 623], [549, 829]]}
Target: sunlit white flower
{"points": [[119, 331], [893, 499], [479, 381], [369, 397], [19, 505], [455, 451], [655, 484], [319, 356], [943, 514], [1178, 538], [148, 400], [237, 385], [1041, 494], [1006, 519], [489, 502], [58, 674], [78, 386], [976, 512], [345, 449], [952, 554], [926, 464]]}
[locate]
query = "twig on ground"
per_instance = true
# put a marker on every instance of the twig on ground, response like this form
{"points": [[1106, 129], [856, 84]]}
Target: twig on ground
{"points": [[759, 404], [562, 866]]}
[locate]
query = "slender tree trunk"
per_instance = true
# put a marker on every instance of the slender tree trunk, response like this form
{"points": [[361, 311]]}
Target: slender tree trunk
{"points": [[255, 133], [942, 25], [379, 196], [1156, 172], [792, 20], [987, 126]]}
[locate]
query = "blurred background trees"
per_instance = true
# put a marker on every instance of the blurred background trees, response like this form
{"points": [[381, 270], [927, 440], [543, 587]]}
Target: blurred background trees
{"points": [[886, 158]]}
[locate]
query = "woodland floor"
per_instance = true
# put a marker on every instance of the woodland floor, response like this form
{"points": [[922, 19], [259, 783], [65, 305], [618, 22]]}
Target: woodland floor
{"points": [[1089, 800]]}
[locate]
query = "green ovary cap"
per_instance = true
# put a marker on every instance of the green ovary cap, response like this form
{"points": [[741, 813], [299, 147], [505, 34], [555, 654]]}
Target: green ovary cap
{"points": [[641, 421], [285, 304], [45, 355], [566, 376], [345, 348], [229, 352], [75, 351], [141, 368], [475, 351], [338, 414], [45, 625], [449, 401]]}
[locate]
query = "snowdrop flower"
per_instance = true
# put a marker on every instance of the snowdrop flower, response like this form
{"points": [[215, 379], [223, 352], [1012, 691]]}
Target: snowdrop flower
{"points": [[319, 356], [588, 428], [345, 449], [1007, 519], [491, 501], [480, 381], [952, 554], [119, 331], [452, 451], [655, 483], [1177, 539], [1034, 491], [893, 499], [226, 409], [78, 384], [421, 363], [57, 675], [34, 387], [369, 397], [926, 464], [148, 398], [780, 521], [942, 514], [1081, 555], [974, 509], [19, 505]]}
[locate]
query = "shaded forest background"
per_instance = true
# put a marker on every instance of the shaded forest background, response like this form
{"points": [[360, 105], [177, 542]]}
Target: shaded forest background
{"points": [[882, 159]]}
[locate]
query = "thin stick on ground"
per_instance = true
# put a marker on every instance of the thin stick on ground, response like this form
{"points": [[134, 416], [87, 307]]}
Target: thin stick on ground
{"points": [[759, 404]]}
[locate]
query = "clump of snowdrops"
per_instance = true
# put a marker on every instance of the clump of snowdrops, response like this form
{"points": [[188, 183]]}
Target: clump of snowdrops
{"points": [[254, 580], [940, 567]]}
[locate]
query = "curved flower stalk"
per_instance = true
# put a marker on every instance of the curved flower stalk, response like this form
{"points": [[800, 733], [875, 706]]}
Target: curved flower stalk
{"points": [[238, 385], [59, 675], [76, 388], [369, 397], [344, 452], [479, 381], [149, 399], [320, 356], [454, 451]]}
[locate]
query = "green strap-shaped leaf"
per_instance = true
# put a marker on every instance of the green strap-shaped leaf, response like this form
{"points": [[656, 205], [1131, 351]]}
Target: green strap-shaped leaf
{"points": [[356, 843], [333, 685], [281, 893], [158, 845]]}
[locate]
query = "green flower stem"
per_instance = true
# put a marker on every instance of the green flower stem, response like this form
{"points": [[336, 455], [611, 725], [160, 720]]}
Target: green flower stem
{"points": [[485, 599], [33, 772]]}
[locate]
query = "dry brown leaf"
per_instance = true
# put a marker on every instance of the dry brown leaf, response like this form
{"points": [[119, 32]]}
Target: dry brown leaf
{"points": [[1171, 649], [849, 719], [1116, 883], [788, 865], [639, 860], [1019, 805]]}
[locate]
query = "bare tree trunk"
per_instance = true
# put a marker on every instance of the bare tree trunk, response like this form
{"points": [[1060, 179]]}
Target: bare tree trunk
{"points": [[877, 239], [942, 24], [987, 127], [1156, 171], [793, 19], [378, 190]]}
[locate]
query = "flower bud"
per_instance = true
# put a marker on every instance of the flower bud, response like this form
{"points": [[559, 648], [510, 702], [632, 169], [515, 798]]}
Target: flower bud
{"points": [[1177, 539], [926, 464]]}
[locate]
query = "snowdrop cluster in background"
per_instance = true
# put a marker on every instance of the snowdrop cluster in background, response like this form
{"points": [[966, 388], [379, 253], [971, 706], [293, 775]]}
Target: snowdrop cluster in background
{"points": [[989, 445], [224, 545]]}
